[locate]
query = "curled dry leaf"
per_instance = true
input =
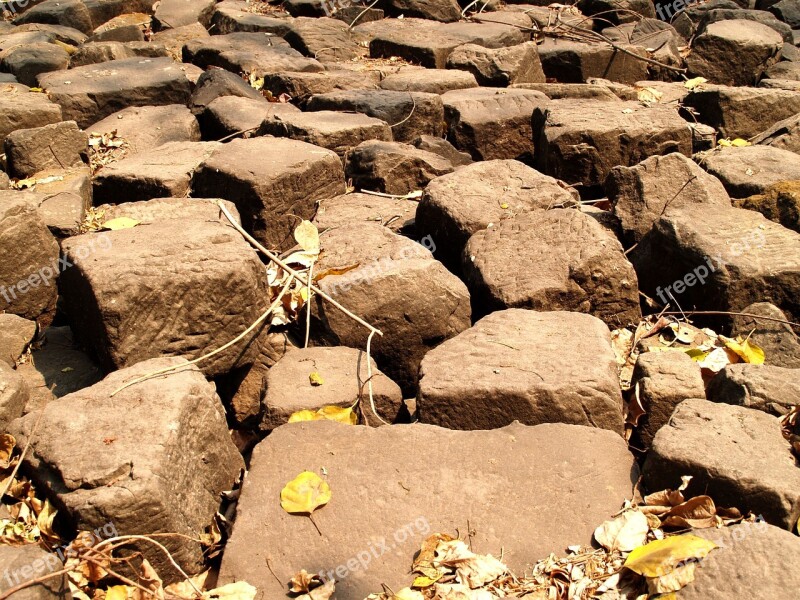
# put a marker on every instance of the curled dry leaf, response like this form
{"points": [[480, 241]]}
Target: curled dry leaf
{"points": [[305, 494], [473, 570], [624, 533], [326, 413], [424, 563], [303, 582], [324, 592], [241, 590]]}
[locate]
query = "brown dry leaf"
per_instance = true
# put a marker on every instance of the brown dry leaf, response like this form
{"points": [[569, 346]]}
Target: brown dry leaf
{"points": [[673, 581], [7, 444], [423, 564], [696, 513], [241, 590], [324, 592], [335, 271], [148, 578], [184, 589], [303, 582], [624, 533], [471, 569]]}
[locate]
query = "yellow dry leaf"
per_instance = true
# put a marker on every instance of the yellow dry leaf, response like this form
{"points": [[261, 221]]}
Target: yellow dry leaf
{"points": [[315, 379], [117, 592], [739, 143], [408, 594], [339, 414], [744, 349], [241, 590], [661, 557], [649, 95], [44, 521], [504, 206], [305, 493], [303, 415], [693, 83], [423, 581], [307, 236], [66, 47], [120, 223], [256, 82]]}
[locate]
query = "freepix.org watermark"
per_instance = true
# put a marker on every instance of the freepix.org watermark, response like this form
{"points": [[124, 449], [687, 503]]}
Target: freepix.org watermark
{"points": [[48, 273], [12, 7], [52, 561], [377, 548]]}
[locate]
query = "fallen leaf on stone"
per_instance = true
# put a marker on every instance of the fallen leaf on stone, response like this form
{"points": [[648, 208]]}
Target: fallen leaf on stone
{"points": [[256, 82], [67, 370], [315, 379], [648, 95], [471, 569], [305, 494], [323, 592], [661, 557], [7, 445], [624, 533], [120, 223], [452, 591], [424, 563], [745, 349], [117, 592], [693, 83], [307, 236], [184, 589], [627, 111], [335, 271], [241, 590], [673, 581], [699, 512], [44, 520], [408, 594], [303, 582], [327, 413]]}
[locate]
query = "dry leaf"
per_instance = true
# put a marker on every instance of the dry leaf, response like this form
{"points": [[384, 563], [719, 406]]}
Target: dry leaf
{"points": [[241, 590], [120, 223], [324, 592], [327, 413], [471, 569], [305, 493], [315, 379], [693, 83], [424, 563], [745, 349], [624, 533], [661, 557], [307, 236], [118, 592], [303, 582], [673, 581], [7, 445]]}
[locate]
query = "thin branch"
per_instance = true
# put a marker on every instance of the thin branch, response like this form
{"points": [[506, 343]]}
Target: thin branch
{"points": [[735, 314], [235, 133], [413, 108], [299, 276], [361, 14], [24, 452], [369, 380], [32, 582]]}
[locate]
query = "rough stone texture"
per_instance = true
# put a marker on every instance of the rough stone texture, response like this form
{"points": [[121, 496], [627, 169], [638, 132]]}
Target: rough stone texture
{"points": [[492, 123], [161, 209], [561, 91], [274, 182], [344, 374], [163, 172], [784, 134], [32, 559], [580, 141], [174, 39], [145, 128], [528, 507], [29, 151], [16, 334], [561, 259], [436, 10], [63, 202], [665, 379], [14, 395], [786, 69], [507, 367], [443, 148], [70, 13], [617, 12], [248, 52], [643, 193], [216, 83], [455, 206], [410, 113], [499, 67], [429, 44], [337, 131], [734, 52], [742, 111], [177, 13], [22, 109], [90, 93], [736, 455], [232, 17], [764, 387], [752, 169], [300, 86], [574, 62], [735, 256], [98, 52], [27, 62], [228, 115], [323, 38], [124, 28], [779, 203], [778, 340], [393, 167], [752, 559], [397, 287], [434, 81], [148, 297], [788, 12], [29, 265], [395, 213], [152, 459], [59, 367]]}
